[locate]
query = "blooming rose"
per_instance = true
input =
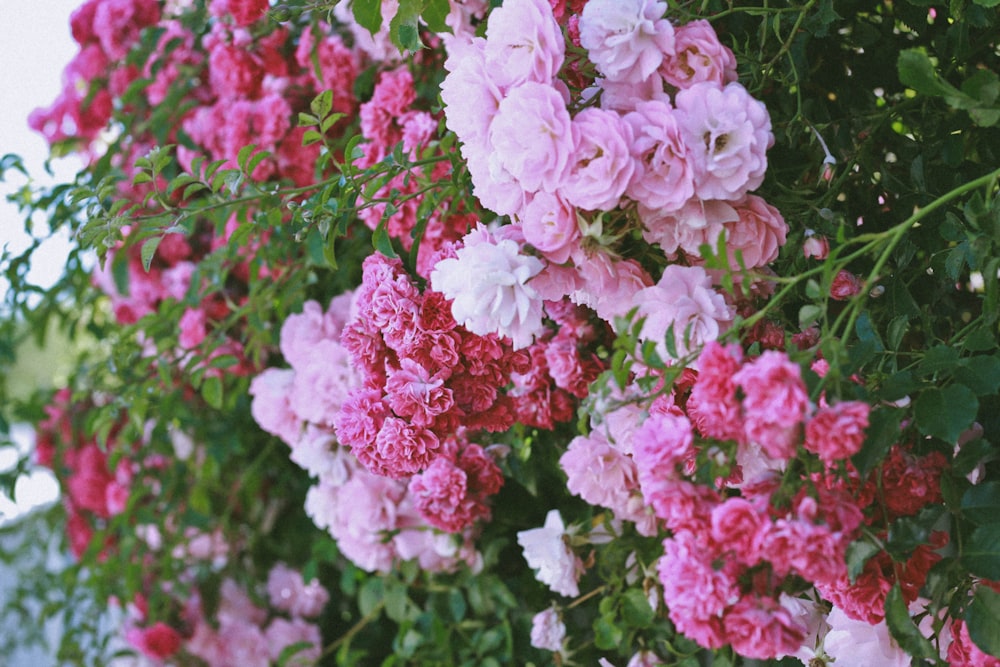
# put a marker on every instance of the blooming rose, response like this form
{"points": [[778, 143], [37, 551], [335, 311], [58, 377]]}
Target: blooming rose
{"points": [[531, 136], [837, 432], [626, 39], [523, 43], [698, 56], [663, 177], [549, 224], [488, 281], [682, 299], [601, 165], [727, 133]]}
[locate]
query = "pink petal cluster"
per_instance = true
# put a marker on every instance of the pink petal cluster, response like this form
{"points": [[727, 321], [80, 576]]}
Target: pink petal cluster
{"points": [[626, 39]]}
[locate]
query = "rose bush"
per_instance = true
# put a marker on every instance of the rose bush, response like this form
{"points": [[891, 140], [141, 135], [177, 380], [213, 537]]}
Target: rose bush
{"points": [[570, 332]]}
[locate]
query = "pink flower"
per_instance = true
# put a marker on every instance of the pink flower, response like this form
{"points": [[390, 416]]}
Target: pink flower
{"points": [[837, 432], [735, 524], [758, 234], [288, 592], [488, 281], [696, 593], [365, 513], [400, 449], [599, 473], [523, 43], [601, 166], [815, 246], [301, 332], [759, 627], [192, 325], [547, 630], [532, 138], [699, 57], [626, 39], [547, 552], [470, 96], [712, 405], [549, 224], [694, 224], [413, 392], [609, 285], [663, 177], [845, 285], [775, 402], [159, 641], [244, 12], [321, 386], [727, 133], [281, 633], [233, 71], [440, 495], [684, 300]]}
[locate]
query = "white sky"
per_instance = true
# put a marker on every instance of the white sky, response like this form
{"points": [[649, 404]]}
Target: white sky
{"points": [[35, 43], [35, 46]]}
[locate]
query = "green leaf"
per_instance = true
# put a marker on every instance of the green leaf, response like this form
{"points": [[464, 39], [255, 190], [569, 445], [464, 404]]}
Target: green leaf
{"points": [[939, 358], [211, 391], [917, 71], [945, 413], [607, 635], [434, 15], [368, 14], [981, 374], [981, 503], [909, 532], [636, 611], [858, 554], [148, 250], [981, 553], [322, 104], [982, 618], [404, 29], [903, 629], [882, 433]]}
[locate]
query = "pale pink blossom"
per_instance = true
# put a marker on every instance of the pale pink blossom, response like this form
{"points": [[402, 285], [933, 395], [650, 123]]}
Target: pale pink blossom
{"points": [[282, 633], [531, 136], [547, 552], [626, 39], [488, 282], [599, 473], [727, 133], [548, 632], [757, 234], [857, 642], [698, 57], [322, 383], [601, 165], [523, 43], [192, 326], [608, 285], [300, 332], [663, 178], [685, 301], [471, 98], [815, 246], [289, 592], [549, 224], [271, 406], [694, 224]]}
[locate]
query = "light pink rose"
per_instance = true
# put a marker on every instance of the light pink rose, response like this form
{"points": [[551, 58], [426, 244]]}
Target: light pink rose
{"points": [[601, 165], [548, 553], [523, 43], [698, 57], [727, 133], [281, 634], [626, 39], [663, 178], [470, 96], [531, 136], [547, 630], [758, 234], [696, 223], [271, 407], [682, 299], [549, 224]]}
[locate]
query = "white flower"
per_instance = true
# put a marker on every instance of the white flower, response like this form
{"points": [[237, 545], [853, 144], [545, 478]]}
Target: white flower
{"points": [[487, 281], [546, 551]]}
